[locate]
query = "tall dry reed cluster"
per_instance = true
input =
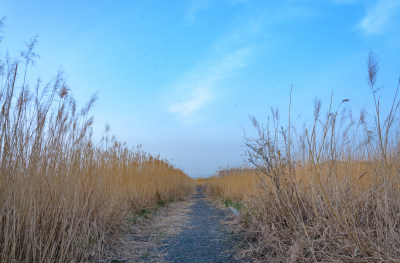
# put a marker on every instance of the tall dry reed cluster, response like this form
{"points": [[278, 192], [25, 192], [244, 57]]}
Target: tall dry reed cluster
{"points": [[331, 192], [62, 196], [237, 184]]}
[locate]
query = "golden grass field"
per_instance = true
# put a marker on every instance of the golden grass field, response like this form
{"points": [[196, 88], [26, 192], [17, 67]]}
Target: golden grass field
{"points": [[328, 193], [61, 195]]}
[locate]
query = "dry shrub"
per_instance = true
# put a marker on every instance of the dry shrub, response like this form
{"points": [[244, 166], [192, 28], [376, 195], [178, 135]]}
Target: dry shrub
{"points": [[61, 196], [330, 193]]}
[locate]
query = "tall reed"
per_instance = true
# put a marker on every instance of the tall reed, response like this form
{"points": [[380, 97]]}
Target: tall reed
{"points": [[62, 195], [330, 192], [235, 184]]}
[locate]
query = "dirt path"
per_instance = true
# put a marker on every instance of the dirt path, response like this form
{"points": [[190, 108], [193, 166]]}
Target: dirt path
{"points": [[204, 238], [188, 231]]}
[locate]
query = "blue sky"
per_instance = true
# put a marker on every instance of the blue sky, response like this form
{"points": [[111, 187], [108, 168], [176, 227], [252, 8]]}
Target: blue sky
{"points": [[182, 77]]}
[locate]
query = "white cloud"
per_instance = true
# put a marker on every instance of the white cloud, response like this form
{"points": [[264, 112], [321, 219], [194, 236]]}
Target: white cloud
{"points": [[232, 50], [194, 8], [197, 88], [379, 17], [197, 99]]}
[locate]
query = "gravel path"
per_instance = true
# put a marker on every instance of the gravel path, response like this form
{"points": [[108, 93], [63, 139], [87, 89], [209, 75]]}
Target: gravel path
{"points": [[203, 238], [193, 230]]}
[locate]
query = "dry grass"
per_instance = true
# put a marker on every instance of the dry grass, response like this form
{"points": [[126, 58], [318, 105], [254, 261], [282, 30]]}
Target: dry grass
{"points": [[328, 193], [144, 239], [237, 185], [61, 196]]}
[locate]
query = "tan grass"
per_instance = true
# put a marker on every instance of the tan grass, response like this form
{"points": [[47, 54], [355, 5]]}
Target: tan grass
{"points": [[233, 184], [62, 196], [329, 193], [143, 240]]}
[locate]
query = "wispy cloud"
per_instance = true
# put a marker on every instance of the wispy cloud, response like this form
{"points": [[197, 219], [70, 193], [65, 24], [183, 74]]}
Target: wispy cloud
{"points": [[198, 87], [379, 17], [194, 8], [232, 51], [197, 98]]}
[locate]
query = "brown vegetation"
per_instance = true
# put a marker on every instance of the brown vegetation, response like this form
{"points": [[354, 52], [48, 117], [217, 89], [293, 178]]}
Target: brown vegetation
{"points": [[62, 196], [238, 185], [329, 193]]}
